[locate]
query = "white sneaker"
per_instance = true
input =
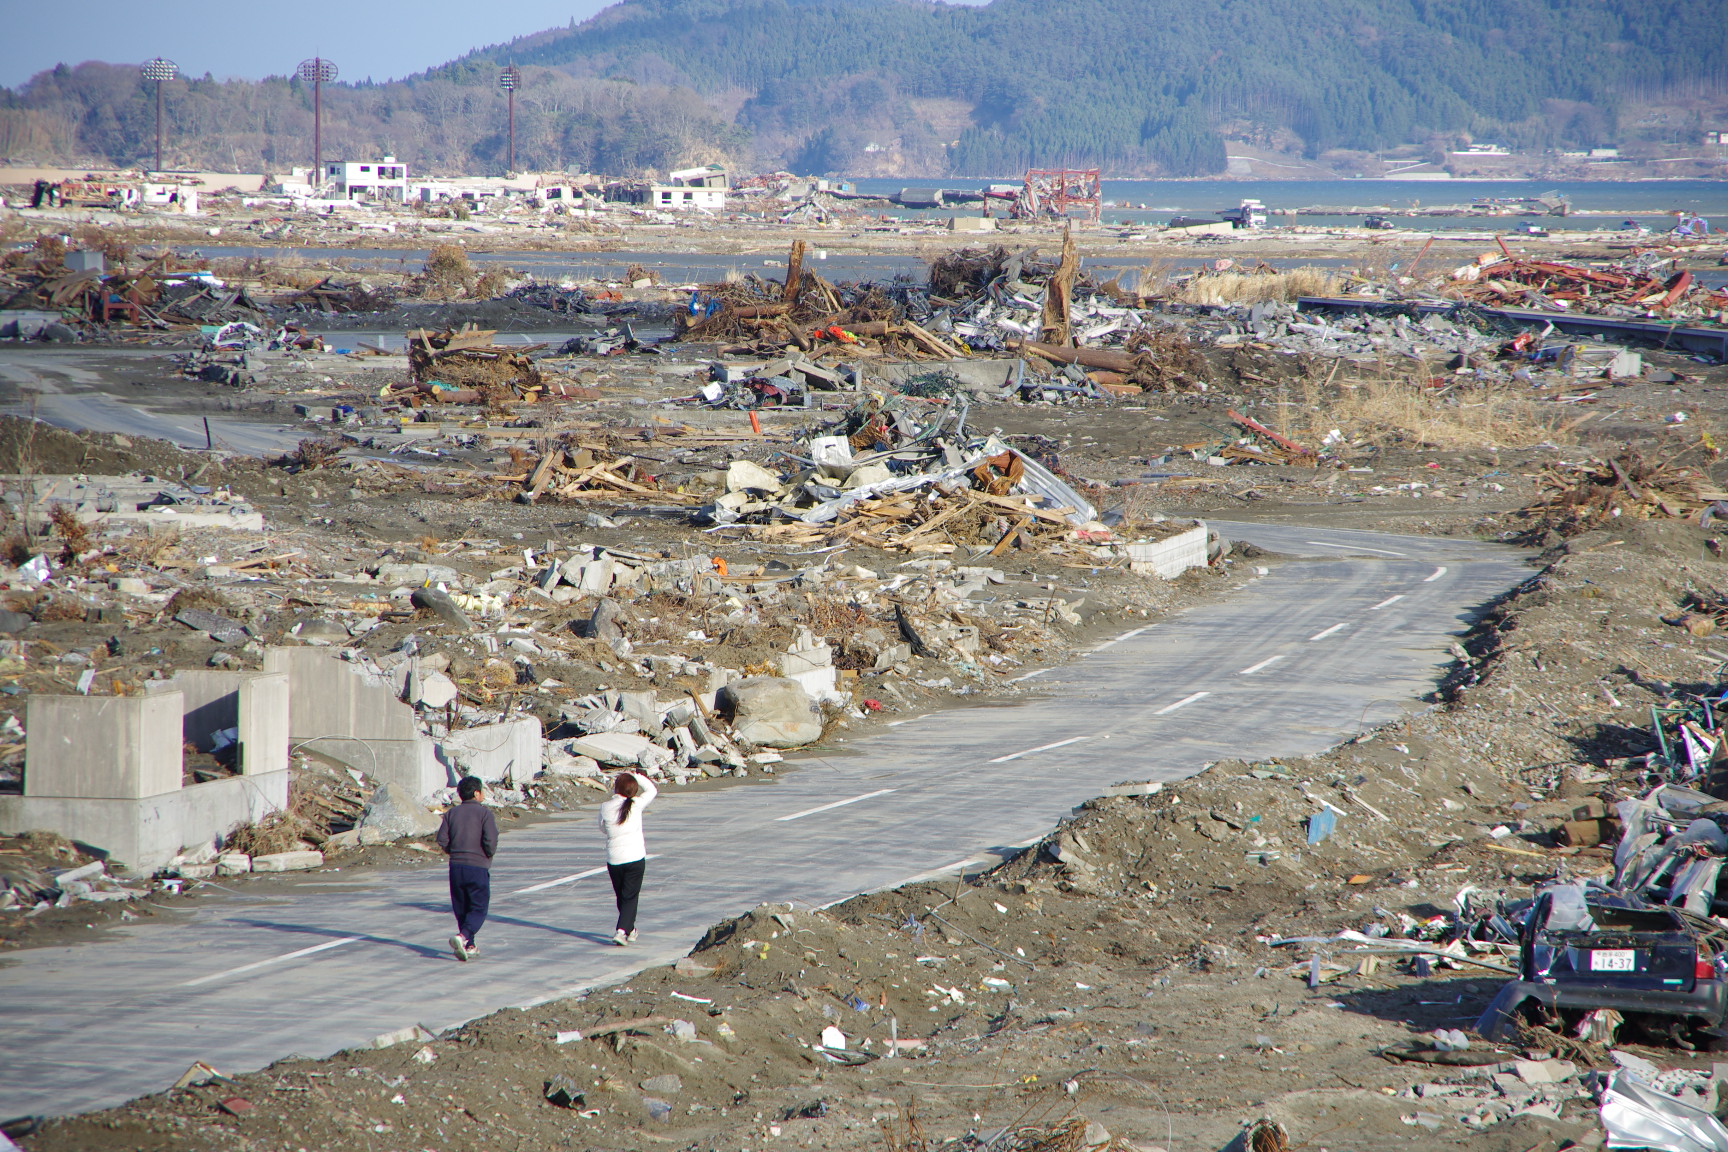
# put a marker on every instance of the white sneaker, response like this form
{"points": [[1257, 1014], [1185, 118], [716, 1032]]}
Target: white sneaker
{"points": [[460, 947], [620, 938], [632, 937]]}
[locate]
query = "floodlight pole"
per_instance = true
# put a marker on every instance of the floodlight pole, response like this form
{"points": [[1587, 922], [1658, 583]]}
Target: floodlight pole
{"points": [[317, 70], [508, 79], [157, 71]]}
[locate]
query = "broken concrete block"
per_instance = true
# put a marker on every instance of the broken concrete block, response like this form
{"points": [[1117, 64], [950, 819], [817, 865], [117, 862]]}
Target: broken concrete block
{"points": [[432, 690], [605, 624], [621, 748], [643, 707], [288, 862], [772, 711], [742, 476], [891, 656], [233, 864], [564, 764], [220, 628], [319, 629], [394, 813], [442, 606], [596, 576], [417, 575]]}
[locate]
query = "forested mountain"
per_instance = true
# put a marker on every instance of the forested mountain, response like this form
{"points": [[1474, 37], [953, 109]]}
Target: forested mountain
{"points": [[1137, 86]]}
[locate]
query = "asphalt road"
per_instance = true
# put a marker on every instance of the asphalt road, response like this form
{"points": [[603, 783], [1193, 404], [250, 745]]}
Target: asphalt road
{"points": [[1294, 662], [65, 387]]}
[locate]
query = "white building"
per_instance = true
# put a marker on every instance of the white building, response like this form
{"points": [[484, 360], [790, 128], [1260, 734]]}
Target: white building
{"points": [[676, 197], [385, 179], [701, 188]]}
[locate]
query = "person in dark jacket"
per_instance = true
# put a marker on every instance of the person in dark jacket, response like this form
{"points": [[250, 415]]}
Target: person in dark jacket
{"points": [[469, 834]]}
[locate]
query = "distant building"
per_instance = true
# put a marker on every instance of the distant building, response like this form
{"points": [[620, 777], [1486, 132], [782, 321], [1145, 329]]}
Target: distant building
{"points": [[385, 179], [701, 188], [675, 197], [707, 176]]}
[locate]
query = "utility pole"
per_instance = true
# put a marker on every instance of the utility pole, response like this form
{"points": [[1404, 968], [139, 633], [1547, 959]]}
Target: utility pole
{"points": [[157, 71], [317, 72], [508, 80]]}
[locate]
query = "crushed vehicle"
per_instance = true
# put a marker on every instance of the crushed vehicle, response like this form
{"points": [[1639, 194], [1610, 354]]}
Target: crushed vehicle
{"points": [[1593, 961], [1645, 950]]}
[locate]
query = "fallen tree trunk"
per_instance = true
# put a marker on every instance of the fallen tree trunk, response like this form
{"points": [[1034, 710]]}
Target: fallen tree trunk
{"points": [[1105, 358]]}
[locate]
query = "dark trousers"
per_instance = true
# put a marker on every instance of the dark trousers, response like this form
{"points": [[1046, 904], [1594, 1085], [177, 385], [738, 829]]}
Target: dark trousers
{"points": [[470, 894], [627, 887]]}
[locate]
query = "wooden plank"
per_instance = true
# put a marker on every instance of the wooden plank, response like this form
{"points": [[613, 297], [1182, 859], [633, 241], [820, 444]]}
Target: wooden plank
{"points": [[940, 519], [542, 475], [1024, 509]]}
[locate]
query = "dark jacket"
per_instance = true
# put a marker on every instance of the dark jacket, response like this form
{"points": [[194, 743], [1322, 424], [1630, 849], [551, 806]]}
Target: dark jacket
{"points": [[469, 834]]}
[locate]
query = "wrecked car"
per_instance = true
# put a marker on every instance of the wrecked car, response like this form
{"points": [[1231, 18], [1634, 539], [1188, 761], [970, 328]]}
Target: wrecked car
{"points": [[1593, 960]]}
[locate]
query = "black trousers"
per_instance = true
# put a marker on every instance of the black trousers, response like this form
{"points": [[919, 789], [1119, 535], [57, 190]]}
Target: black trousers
{"points": [[470, 895], [627, 887]]}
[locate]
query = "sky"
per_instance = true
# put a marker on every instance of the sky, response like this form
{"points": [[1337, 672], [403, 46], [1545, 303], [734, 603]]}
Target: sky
{"points": [[365, 39]]}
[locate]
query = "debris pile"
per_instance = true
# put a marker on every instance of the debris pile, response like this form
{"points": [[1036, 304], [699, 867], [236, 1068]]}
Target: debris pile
{"points": [[34, 877], [164, 293], [977, 303], [1649, 284], [1589, 494], [467, 365]]}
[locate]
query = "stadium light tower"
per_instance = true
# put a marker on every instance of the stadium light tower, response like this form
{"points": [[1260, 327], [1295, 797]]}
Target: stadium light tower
{"points": [[317, 72], [156, 71], [508, 80]]}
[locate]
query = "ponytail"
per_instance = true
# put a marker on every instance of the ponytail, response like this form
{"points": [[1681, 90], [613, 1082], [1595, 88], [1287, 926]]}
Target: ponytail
{"points": [[625, 785]]}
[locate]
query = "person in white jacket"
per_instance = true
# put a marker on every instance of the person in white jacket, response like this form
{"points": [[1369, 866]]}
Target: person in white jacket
{"points": [[626, 849]]}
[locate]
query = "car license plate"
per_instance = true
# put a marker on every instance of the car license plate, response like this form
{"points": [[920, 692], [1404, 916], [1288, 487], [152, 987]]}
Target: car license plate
{"points": [[1616, 960]]}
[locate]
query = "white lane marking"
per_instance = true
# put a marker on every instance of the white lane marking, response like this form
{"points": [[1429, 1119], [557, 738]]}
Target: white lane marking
{"points": [[1438, 572], [836, 804], [1328, 632], [570, 879], [1028, 675], [1119, 639], [1354, 548], [273, 960], [1387, 603], [1180, 703], [1040, 748], [1267, 663]]}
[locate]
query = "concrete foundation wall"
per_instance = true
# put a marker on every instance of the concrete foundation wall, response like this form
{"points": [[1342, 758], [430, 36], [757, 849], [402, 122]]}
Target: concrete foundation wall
{"points": [[327, 696], [257, 703], [103, 747], [146, 833], [1170, 558], [356, 719]]}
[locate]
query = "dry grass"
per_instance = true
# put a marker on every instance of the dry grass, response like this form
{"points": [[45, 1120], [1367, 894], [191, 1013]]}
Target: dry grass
{"points": [[1258, 287], [447, 273], [74, 533], [1408, 410]]}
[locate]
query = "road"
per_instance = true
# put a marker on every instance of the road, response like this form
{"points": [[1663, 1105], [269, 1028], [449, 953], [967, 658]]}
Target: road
{"points": [[65, 387], [1294, 662]]}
